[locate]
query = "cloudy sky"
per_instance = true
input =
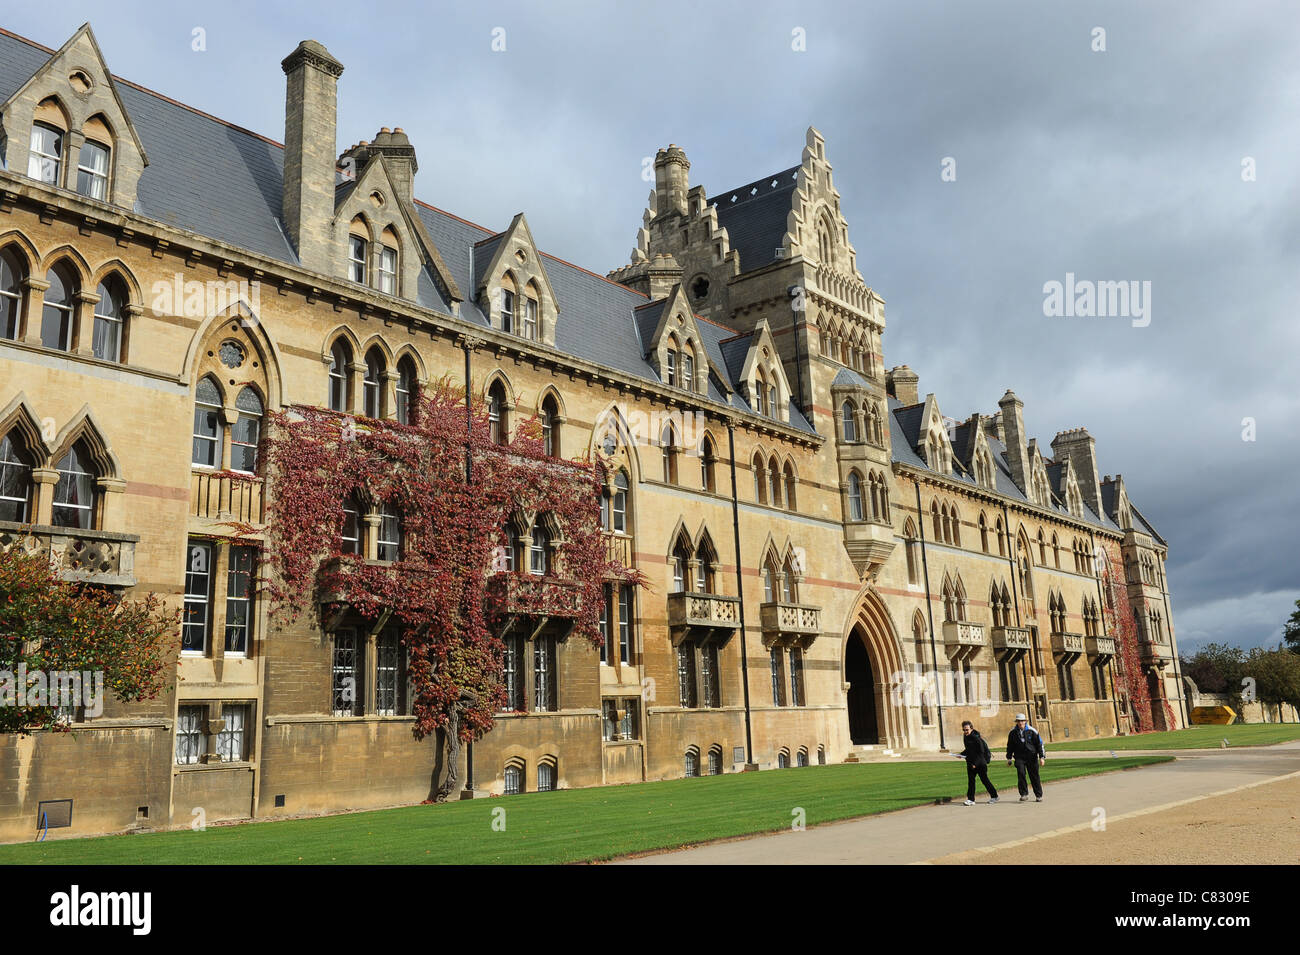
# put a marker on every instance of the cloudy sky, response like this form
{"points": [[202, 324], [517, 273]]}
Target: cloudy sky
{"points": [[1131, 162]]}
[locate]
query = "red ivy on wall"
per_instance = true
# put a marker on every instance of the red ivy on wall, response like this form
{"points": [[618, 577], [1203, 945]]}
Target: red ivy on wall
{"points": [[444, 594], [1120, 622]]}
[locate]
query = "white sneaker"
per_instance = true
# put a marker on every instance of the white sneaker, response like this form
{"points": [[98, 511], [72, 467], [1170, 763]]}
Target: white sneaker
{"points": [[969, 802], [993, 800], [1038, 799]]}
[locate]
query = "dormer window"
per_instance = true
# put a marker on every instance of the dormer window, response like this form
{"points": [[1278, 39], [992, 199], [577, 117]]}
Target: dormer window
{"points": [[688, 371], [92, 170], [357, 250], [46, 155], [388, 270], [671, 367]]}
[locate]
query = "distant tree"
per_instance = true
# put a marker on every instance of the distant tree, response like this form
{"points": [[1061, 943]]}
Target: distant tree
{"points": [[1291, 630], [1217, 668], [1276, 674]]}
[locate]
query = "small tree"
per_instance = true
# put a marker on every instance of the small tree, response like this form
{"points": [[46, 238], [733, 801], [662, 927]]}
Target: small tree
{"points": [[1291, 630], [49, 626]]}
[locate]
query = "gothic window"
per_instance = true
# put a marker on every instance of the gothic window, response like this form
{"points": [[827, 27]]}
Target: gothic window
{"points": [[374, 384], [15, 480], [855, 497], [668, 444], [406, 385], [390, 534], [790, 482], [75, 494], [209, 425], [498, 419], [56, 319], [196, 617], [247, 431], [106, 340], [708, 465], [550, 427], [339, 375], [388, 270], [848, 417], [12, 275], [45, 158]]}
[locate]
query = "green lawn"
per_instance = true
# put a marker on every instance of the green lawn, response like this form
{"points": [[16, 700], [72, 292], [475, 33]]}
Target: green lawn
{"points": [[568, 826], [1194, 737]]}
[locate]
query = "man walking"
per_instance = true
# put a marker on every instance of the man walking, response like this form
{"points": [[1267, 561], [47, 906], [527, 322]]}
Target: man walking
{"points": [[977, 758], [1025, 749]]}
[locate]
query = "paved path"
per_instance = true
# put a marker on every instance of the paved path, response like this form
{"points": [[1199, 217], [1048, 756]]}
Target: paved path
{"points": [[930, 832]]}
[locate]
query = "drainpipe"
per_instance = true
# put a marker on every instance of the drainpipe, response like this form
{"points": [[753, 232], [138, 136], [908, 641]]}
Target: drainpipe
{"points": [[1101, 610], [929, 612], [740, 592], [798, 360], [468, 346]]}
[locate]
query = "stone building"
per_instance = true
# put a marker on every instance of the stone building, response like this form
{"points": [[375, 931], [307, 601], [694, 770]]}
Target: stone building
{"points": [[837, 570]]}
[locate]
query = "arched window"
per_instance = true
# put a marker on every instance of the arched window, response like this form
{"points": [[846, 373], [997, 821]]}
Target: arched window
{"points": [[510, 557], [1042, 549], [358, 251], [56, 320], [15, 480], [681, 567], [668, 443], [1056, 551], [550, 427], [209, 425], [539, 550], [848, 417], [688, 369], [498, 423], [406, 384], [507, 304], [545, 777], [922, 670], [374, 384], [692, 762], [532, 312], [790, 482], [715, 761], [339, 376], [855, 497], [1002, 537], [772, 406], [760, 389], [351, 542], [45, 158], [984, 533], [937, 521], [774, 477], [106, 342], [879, 498], [388, 262], [92, 170], [760, 482], [390, 533], [247, 431], [76, 495], [708, 465], [789, 588], [514, 779], [875, 430], [946, 536], [619, 509], [949, 593], [771, 576], [956, 526], [11, 294], [670, 363], [708, 564]]}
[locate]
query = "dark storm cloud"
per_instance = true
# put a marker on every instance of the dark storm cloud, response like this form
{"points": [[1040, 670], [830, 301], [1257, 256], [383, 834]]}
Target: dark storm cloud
{"points": [[1116, 165]]}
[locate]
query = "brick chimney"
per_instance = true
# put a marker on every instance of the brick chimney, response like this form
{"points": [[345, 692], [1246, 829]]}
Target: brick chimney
{"points": [[904, 384], [1079, 447], [1013, 427], [310, 123]]}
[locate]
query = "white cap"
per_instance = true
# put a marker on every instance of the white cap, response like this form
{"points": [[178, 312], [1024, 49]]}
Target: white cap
{"points": [[1021, 716]]}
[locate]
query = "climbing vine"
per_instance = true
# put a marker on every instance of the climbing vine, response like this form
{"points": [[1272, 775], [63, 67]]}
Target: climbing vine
{"points": [[447, 593], [1121, 623]]}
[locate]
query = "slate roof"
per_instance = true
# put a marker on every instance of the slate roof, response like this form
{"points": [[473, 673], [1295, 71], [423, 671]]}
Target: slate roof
{"points": [[755, 215], [847, 376], [217, 180]]}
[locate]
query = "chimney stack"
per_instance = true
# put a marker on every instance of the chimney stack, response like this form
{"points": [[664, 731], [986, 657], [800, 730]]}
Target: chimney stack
{"points": [[310, 124], [672, 181], [904, 384], [1013, 427], [1079, 447]]}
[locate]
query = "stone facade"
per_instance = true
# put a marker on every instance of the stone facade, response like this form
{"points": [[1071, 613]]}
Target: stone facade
{"points": [[824, 548]]}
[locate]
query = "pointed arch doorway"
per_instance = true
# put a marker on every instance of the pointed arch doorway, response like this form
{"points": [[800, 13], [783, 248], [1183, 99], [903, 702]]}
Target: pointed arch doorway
{"points": [[873, 671]]}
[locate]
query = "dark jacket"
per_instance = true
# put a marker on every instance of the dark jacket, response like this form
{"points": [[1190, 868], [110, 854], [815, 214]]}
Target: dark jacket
{"points": [[1030, 746], [976, 751]]}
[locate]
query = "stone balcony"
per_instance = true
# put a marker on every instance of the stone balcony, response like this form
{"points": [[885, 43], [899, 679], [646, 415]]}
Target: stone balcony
{"points": [[963, 635], [553, 597], [223, 496], [702, 616], [1099, 646], [1157, 654], [1067, 642], [869, 545], [1012, 638], [79, 556], [789, 623], [618, 549]]}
